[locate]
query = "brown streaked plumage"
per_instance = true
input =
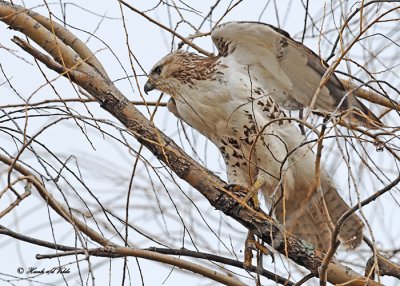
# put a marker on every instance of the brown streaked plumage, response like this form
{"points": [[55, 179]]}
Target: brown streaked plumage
{"points": [[233, 98], [183, 67]]}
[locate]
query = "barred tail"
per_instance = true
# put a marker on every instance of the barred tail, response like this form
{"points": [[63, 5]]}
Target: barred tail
{"points": [[351, 233]]}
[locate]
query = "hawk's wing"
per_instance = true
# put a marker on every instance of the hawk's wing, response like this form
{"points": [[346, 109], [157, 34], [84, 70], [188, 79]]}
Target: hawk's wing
{"points": [[272, 54]]}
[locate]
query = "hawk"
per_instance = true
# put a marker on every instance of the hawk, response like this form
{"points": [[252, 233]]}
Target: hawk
{"points": [[237, 98]]}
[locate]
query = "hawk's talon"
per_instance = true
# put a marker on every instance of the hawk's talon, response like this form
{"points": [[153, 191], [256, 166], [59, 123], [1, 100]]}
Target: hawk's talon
{"points": [[264, 250], [233, 188], [251, 199], [250, 245], [248, 196], [248, 256], [251, 154]]}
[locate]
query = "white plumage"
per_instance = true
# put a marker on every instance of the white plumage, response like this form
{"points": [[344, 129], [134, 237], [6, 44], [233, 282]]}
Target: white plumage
{"points": [[235, 100]]}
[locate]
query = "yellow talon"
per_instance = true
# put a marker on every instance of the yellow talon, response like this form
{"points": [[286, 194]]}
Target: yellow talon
{"points": [[252, 194], [252, 244]]}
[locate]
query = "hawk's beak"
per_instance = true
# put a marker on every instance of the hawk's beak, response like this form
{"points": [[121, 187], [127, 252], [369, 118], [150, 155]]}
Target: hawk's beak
{"points": [[148, 87]]}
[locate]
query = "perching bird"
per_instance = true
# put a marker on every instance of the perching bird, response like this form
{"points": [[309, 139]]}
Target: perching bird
{"points": [[236, 99]]}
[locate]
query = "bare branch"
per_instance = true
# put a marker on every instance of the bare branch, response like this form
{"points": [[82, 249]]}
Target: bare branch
{"points": [[183, 39], [71, 58]]}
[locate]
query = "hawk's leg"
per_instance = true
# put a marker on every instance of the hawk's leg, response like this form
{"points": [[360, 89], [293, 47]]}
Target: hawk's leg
{"points": [[246, 195], [250, 197], [252, 193], [250, 245]]}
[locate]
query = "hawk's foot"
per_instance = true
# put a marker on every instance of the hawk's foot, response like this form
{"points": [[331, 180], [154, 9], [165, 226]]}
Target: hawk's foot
{"points": [[247, 195], [252, 244]]}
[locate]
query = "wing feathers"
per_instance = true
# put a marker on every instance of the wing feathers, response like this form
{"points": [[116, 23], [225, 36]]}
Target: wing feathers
{"points": [[297, 69]]}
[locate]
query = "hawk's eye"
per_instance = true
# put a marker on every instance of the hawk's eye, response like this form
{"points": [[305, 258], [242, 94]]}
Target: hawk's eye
{"points": [[157, 70]]}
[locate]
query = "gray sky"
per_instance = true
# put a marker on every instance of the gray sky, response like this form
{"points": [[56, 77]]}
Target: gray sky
{"points": [[158, 207]]}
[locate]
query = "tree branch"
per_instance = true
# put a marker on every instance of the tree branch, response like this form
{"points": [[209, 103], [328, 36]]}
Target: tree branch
{"points": [[369, 95], [101, 252], [110, 248], [209, 185]]}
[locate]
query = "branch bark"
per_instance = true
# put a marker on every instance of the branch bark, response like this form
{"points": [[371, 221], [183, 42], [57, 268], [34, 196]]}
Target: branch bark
{"points": [[77, 63], [369, 95], [64, 250], [109, 248]]}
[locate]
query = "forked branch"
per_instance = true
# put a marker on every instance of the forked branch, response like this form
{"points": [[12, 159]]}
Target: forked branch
{"points": [[72, 59]]}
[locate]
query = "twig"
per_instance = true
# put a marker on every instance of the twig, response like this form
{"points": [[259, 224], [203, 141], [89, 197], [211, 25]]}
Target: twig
{"points": [[184, 252], [304, 279], [123, 251], [328, 73], [369, 95], [112, 100], [113, 252], [54, 204], [18, 200], [83, 100], [183, 39], [9, 232], [341, 221]]}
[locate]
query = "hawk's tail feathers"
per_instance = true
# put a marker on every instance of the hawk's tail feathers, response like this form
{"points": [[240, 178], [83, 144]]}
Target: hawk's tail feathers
{"points": [[351, 233], [309, 224]]}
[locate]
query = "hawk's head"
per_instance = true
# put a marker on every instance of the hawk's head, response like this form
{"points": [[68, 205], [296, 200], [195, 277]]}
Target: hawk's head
{"points": [[163, 74], [179, 69]]}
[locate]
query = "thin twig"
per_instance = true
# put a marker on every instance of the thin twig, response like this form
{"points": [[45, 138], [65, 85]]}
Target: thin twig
{"points": [[183, 39]]}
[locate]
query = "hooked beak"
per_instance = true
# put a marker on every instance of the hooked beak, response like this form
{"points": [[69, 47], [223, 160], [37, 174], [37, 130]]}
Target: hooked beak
{"points": [[148, 87]]}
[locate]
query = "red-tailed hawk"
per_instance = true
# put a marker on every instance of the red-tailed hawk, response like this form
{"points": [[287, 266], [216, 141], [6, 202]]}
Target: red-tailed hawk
{"points": [[236, 98]]}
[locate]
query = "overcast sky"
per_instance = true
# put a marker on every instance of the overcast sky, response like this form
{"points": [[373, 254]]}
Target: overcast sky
{"points": [[106, 164]]}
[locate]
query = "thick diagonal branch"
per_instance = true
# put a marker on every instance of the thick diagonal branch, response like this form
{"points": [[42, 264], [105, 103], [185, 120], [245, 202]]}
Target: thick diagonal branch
{"points": [[76, 68]]}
